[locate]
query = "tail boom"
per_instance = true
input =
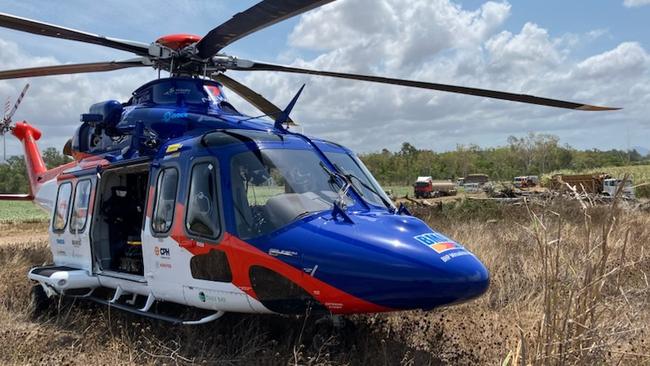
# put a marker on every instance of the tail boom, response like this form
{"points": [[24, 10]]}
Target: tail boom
{"points": [[28, 135], [36, 169]]}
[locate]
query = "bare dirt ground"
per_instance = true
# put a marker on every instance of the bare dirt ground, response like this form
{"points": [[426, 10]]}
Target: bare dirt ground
{"points": [[569, 286]]}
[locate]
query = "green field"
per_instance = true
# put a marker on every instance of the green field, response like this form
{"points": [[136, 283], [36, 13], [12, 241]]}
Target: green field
{"points": [[399, 191], [21, 211]]}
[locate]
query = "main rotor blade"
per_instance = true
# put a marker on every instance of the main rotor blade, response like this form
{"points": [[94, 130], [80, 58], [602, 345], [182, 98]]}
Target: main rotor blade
{"points": [[523, 98], [69, 69], [50, 30], [259, 16], [251, 96]]}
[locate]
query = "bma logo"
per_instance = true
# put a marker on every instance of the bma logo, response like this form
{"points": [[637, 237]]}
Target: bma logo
{"points": [[437, 242], [162, 252], [432, 238]]}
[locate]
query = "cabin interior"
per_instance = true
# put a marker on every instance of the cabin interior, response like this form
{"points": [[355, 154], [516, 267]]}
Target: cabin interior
{"points": [[119, 218]]}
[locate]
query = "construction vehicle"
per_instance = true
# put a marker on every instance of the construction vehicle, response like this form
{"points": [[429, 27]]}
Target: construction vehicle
{"points": [[480, 179], [599, 184], [426, 187], [526, 181]]}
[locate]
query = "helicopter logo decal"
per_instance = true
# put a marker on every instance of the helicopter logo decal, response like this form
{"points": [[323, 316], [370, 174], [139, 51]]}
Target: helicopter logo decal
{"points": [[168, 116]]}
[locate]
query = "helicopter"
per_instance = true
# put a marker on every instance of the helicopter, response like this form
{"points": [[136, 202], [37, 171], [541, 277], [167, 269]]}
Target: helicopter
{"points": [[175, 196]]}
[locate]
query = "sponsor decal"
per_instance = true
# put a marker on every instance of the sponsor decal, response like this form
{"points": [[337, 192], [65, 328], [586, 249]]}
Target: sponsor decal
{"points": [[453, 255], [162, 252], [277, 252], [177, 91], [76, 243], [334, 305], [61, 252], [443, 247], [437, 242], [60, 241], [168, 116], [173, 148], [203, 297]]}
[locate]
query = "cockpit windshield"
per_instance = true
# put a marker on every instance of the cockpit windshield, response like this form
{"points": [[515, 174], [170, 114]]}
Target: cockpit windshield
{"points": [[361, 178], [274, 187]]}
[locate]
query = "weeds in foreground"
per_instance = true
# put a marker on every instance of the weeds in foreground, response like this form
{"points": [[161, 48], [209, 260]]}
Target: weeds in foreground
{"points": [[568, 286], [587, 288]]}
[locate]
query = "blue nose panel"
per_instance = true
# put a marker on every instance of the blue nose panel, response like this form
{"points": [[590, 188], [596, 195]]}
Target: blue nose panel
{"points": [[390, 260]]}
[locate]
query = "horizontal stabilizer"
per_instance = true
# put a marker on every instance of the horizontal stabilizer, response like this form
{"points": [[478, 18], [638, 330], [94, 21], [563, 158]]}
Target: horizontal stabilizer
{"points": [[16, 197]]}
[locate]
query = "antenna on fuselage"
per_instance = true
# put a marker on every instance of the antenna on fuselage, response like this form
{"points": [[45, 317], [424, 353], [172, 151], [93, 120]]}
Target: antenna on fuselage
{"points": [[6, 126], [283, 117]]}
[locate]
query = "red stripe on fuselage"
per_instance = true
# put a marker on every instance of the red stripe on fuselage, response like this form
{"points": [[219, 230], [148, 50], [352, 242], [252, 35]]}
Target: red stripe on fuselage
{"points": [[242, 256]]}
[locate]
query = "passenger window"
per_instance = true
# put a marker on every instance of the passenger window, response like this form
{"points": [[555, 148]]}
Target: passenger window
{"points": [[80, 207], [163, 213], [202, 217], [62, 206]]}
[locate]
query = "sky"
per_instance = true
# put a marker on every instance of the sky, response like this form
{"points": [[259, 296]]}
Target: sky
{"points": [[596, 52]]}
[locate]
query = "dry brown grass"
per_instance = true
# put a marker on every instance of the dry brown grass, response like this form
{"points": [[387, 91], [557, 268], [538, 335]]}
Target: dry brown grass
{"points": [[569, 286]]}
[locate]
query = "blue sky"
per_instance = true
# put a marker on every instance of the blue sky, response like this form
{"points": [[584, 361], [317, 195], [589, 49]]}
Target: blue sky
{"points": [[588, 51]]}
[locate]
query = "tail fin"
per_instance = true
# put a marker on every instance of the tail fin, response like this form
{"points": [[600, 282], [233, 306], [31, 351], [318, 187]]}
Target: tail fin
{"points": [[28, 135]]}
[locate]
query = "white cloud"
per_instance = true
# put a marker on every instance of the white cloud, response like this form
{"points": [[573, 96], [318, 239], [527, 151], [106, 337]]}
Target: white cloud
{"points": [[429, 40], [439, 41], [635, 3], [53, 104], [405, 33]]}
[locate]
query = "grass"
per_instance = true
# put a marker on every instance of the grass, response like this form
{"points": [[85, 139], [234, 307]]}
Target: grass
{"points": [[569, 285], [21, 211]]}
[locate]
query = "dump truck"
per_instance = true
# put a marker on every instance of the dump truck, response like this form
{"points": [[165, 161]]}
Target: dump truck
{"points": [[599, 183], [426, 187]]}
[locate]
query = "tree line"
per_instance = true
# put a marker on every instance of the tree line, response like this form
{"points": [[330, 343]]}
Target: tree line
{"points": [[533, 154], [13, 173]]}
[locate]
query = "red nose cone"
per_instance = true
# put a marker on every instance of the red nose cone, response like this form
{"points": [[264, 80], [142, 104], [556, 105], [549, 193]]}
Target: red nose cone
{"points": [[178, 41]]}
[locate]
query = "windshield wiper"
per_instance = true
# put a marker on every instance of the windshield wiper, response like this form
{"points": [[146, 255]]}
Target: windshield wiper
{"points": [[349, 176], [336, 177]]}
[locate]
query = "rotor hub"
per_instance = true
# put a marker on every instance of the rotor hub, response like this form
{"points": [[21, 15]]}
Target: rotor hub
{"points": [[178, 41]]}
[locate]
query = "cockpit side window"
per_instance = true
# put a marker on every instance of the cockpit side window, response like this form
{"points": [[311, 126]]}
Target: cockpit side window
{"points": [[79, 216], [62, 208], [203, 219], [163, 212]]}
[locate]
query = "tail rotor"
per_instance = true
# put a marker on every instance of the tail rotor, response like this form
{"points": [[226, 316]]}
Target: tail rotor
{"points": [[6, 124]]}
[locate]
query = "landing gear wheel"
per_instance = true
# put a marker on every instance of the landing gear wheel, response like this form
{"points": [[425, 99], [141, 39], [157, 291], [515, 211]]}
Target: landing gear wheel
{"points": [[39, 302]]}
